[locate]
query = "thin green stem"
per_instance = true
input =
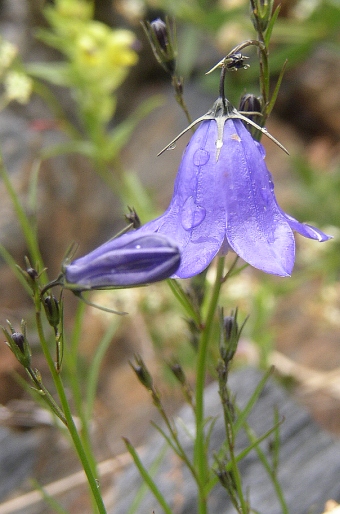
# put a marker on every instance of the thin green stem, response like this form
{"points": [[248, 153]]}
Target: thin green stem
{"points": [[264, 74], [67, 412], [200, 456], [29, 232], [178, 87], [74, 382], [235, 471], [94, 371], [271, 472], [47, 396], [147, 478]]}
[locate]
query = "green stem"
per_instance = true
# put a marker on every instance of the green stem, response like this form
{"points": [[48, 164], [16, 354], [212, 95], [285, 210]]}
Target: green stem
{"points": [[178, 87], [73, 375], [200, 456], [264, 74], [35, 376], [67, 412], [271, 472], [26, 226], [235, 471], [147, 478]]}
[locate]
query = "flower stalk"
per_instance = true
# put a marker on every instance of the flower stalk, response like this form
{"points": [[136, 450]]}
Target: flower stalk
{"points": [[200, 449]]}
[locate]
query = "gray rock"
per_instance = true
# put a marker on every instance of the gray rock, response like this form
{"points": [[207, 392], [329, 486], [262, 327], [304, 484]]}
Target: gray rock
{"points": [[18, 452], [309, 466]]}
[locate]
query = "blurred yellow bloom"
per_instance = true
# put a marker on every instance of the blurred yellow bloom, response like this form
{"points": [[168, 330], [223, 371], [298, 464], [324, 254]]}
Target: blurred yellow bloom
{"points": [[98, 45], [8, 52], [77, 9], [103, 55], [18, 86]]}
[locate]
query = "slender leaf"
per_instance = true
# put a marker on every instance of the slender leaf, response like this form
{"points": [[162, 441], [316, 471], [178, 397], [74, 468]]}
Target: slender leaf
{"points": [[243, 415], [184, 300], [147, 477]]}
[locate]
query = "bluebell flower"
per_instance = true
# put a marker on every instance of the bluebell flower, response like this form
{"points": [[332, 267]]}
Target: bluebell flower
{"points": [[132, 259], [224, 200]]}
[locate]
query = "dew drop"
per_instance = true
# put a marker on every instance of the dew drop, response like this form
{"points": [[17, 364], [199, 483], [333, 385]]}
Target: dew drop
{"points": [[192, 215], [201, 157]]}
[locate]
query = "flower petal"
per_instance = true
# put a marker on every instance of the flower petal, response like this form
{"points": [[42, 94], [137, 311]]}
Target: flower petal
{"points": [[302, 228], [306, 230], [195, 218], [256, 228], [132, 259]]}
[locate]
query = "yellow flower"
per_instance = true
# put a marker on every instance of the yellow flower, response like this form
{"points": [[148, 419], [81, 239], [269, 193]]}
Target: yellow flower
{"points": [[103, 55], [18, 86], [8, 52], [119, 48], [77, 9]]}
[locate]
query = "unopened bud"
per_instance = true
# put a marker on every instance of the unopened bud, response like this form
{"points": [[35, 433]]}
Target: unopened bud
{"points": [[250, 103], [261, 12], [230, 327], [17, 342], [160, 37], [32, 273], [160, 30], [178, 372], [229, 336], [142, 373], [251, 106], [52, 310]]}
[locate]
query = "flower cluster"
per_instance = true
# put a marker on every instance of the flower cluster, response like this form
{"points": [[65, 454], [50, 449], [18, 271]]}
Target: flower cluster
{"points": [[98, 57], [224, 200]]}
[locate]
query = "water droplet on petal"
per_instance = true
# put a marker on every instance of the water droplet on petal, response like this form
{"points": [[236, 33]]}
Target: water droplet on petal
{"points": [[201, 157], [192, 215], [260, 148]]}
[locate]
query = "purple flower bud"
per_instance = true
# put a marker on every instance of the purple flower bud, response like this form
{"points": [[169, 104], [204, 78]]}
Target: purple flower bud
{"points": [[19, 340], [160, 30], [132, 259], [161, 39], [32, 273], [250, 103], [224, 200]]}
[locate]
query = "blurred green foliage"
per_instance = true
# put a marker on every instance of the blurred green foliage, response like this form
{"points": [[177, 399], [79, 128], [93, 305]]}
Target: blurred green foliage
{"points": [[95, 61]]}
